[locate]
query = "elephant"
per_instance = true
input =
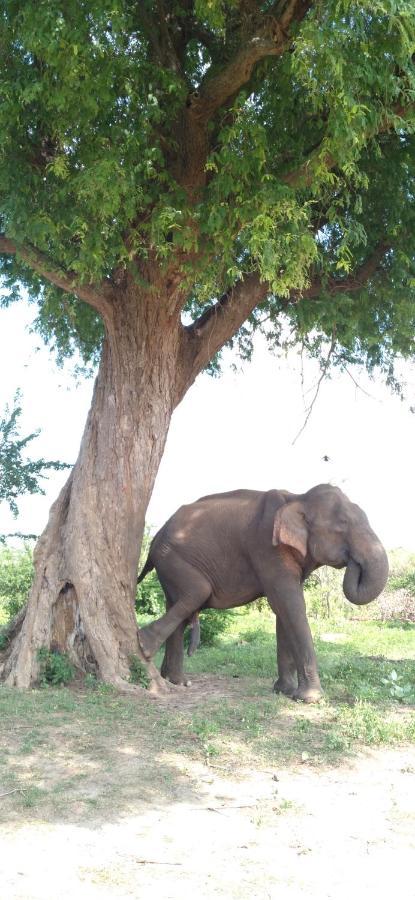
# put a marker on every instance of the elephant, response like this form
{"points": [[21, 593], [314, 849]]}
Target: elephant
{"points": [[226, 550]]}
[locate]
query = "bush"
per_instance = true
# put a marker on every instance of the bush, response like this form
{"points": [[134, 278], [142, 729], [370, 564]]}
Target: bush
{"points": [[55, 668], [16, 575], [324, 594], [138, 672], [325, 598], [149, 595], [398, 600], [213, 623]]}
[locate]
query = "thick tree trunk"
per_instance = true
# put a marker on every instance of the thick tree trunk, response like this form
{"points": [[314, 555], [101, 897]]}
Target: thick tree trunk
{"points": [[82, 599]]}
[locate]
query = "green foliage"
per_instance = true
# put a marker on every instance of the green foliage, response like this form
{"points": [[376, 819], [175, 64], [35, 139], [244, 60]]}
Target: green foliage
{"points": [[364, 724], [399, 689], [325, 598], [405, 578], [324, 594], [55, 668], [213, 624], [19, 475], [149, 595], [309, 169], [16, 574], [244, 724], [138, 672]]}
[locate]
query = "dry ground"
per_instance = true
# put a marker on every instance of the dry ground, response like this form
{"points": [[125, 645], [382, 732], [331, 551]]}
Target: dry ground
{"points": [[117, 813]]}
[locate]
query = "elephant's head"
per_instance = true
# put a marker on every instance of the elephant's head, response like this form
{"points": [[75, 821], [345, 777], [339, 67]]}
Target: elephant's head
{"points": [[327, 529]]}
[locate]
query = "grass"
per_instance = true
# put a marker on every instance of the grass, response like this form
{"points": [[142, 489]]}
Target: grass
{"points": [[71, 752]]}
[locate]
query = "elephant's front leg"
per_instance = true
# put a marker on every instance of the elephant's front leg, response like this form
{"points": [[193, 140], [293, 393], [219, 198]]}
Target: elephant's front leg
{"points": [[287, 681], [172, 665], [287, 601]]}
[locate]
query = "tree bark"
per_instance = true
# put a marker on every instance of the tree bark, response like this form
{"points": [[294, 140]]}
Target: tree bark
{"points": [[82, 598]]}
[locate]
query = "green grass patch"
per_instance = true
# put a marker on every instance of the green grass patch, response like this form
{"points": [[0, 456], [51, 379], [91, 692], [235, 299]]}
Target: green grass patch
{"points": [[66, 750]]}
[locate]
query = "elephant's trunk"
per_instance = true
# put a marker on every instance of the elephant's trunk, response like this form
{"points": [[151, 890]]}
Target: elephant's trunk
{"points": [[367, 571]]}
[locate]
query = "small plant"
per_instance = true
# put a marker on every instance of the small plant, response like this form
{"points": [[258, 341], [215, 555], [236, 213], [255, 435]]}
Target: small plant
{"points": [[138, 672], [55, 668], [398, 689], [285, 806]]}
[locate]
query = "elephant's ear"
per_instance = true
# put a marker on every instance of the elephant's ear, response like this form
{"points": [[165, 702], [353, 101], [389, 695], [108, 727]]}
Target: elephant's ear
{"points": [[290, 527]]}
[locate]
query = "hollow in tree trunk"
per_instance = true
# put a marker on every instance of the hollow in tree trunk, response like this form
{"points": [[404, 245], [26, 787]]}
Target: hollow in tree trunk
{"points": [[82, 598]]}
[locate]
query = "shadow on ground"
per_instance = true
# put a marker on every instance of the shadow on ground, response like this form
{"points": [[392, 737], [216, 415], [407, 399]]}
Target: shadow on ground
{"points": [[93, 756]]}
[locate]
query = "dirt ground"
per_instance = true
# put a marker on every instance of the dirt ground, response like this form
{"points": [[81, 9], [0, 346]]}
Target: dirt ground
{"points": [[175, 827]]}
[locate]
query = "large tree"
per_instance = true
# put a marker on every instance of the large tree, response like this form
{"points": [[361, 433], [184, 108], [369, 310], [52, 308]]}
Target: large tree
{"points": [[175, 174]]}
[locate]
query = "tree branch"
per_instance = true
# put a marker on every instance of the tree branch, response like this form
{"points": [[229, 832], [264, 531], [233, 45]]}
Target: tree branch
{"points": [[271, 38], [97, 296], [222, 320], [350, 283], [303, 175], [264, 35], [317, 391]]}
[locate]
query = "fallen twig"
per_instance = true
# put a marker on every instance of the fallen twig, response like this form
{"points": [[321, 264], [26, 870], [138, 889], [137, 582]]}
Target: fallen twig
{"points": [[221, 809], [14, 791], [156, 862]]}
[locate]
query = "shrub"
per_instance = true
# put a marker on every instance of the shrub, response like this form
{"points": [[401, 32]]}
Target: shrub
{"points": [[213, 623], [54, 667], [325, 598], [149, 595], [324, 594], [16, 575], [138, 672]]}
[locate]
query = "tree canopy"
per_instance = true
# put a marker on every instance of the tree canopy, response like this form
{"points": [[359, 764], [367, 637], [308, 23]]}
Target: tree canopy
{"points": [[267, 148], [174, 175]]}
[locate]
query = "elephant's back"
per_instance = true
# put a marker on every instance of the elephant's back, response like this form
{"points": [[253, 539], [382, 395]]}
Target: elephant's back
{"points": [[213, 536], [214, 527]]}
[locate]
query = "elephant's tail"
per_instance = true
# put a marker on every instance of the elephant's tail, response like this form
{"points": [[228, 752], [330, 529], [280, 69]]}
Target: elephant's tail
{"points": [[194, 634], [149, 566]]}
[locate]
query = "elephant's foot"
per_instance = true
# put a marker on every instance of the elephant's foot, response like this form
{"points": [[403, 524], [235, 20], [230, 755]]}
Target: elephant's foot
{"points": [[288, 688], [175, 677], [304, 694], [308, 694], [148, 642]]}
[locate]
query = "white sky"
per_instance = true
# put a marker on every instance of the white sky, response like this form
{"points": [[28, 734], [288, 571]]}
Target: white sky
{"points": [[236, 431]]}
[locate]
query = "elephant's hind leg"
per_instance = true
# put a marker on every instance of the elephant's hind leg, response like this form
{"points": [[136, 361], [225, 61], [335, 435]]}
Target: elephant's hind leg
{"points": [[172, 665], [187, 591]]}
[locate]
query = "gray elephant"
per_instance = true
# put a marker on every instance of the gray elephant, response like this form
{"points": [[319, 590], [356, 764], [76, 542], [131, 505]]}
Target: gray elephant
{"points": [[228, 549]]}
